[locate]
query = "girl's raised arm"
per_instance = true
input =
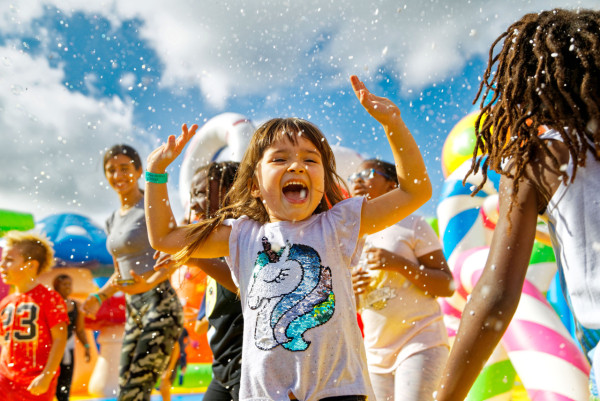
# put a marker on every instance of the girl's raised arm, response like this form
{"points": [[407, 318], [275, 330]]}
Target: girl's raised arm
{"points": [[414, 187], [163, 232]]}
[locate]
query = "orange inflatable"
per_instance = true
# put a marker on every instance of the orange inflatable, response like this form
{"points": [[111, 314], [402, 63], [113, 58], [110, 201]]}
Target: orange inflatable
{"points": [[190, 284]]}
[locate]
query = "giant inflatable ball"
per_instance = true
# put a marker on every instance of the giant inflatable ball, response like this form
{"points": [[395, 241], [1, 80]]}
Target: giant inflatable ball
{"points": [[459, 144]]}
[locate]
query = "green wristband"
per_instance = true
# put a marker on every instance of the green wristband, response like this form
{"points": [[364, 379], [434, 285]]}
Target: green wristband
{"points": [[97, 296], [156, 178]]}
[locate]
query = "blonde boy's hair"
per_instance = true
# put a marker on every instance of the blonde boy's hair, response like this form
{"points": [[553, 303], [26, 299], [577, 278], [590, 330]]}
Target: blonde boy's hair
{"points": [[33, 247]]}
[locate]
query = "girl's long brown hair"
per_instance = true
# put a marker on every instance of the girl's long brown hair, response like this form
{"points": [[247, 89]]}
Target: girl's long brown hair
{"points": [[547, 74], [239, 198]]}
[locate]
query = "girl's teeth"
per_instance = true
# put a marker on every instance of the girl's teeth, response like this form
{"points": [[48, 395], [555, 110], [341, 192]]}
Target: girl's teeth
{"points": [[302, 193]]}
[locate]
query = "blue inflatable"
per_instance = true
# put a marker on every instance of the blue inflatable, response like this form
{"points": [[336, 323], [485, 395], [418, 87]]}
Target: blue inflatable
{"points": [[77, 240]]}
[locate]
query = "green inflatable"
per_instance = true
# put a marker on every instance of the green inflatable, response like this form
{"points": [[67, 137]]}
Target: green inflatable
{"points": [[197, 375], [10, 220]]}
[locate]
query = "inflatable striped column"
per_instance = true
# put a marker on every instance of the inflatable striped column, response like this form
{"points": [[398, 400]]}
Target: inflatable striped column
{"points": [[497, 378], [460, 222], [461, 229], [540, 348]]}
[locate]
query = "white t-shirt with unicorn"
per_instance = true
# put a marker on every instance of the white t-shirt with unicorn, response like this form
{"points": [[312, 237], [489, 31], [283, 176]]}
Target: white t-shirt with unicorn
{"points": [[301, 336]]}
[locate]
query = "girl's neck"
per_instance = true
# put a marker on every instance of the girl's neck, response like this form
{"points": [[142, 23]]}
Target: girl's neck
{"points": [[130, 199]]}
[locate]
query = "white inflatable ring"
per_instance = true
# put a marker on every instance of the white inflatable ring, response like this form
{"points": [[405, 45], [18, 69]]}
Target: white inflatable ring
{"points": [[224, 137]]}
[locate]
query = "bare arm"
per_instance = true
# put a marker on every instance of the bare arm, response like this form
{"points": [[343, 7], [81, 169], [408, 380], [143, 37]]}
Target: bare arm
{"points": [[414, 187], [92, 305], [496, 296], [41, 383], [201, 326], [431, 274], [216, 268], [80, 332], [108, 289], [163, 232], [145, 282]]}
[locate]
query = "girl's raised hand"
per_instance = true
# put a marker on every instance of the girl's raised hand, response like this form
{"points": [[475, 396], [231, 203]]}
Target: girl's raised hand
{"points": [[382, 109], [161, 157]]}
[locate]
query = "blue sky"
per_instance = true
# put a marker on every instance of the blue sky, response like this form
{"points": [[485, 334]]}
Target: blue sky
{"points": [[77, 78]]}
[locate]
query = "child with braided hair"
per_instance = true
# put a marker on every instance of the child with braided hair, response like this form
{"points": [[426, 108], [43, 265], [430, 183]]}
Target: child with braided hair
{"points": [[547, 79], [223, 310]]}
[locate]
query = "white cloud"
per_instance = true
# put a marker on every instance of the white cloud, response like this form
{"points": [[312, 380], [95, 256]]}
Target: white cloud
{"points": [[229, 47], [53, 140]]}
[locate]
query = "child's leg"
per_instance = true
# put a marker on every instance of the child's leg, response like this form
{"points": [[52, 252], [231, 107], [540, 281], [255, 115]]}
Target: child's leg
{"points": [[131, 336], [161, 323], [63, 387], [383, 386], [418, 376]]}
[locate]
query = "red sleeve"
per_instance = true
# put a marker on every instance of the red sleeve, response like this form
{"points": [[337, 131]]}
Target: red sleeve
{"points": [[56, 309]]}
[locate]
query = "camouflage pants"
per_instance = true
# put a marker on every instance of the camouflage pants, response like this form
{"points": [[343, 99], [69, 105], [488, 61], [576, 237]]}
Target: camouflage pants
{"points": [[154, 322]]}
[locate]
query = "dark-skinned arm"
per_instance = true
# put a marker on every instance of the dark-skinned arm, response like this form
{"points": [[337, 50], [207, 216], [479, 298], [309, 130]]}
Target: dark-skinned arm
{"points": [[216, 268], [496, 296]]}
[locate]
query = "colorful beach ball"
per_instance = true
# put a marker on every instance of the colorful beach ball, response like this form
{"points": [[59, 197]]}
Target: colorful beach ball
{"points": [[459, 144]]}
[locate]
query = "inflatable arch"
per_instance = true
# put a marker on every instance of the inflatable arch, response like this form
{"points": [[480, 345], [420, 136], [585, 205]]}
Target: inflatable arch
{"points": [[224, 137]]}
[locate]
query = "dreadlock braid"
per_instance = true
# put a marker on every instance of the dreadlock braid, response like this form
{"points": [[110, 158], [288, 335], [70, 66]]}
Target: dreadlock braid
{"points": [[547, 74]]}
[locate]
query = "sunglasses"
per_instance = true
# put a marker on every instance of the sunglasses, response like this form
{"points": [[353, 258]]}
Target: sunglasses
{"points": [[367, 174]]}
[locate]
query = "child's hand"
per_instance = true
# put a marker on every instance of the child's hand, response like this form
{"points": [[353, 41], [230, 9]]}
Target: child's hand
{"points": [[163, 261], [40, 384], [360, 281], [136, 285], [91, 306], [161, 157], [381, 108], [378, 258]]}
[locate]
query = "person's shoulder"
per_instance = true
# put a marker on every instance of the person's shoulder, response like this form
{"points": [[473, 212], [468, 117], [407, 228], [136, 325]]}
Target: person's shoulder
{"points": [[555, 145], [349, 201], [240, 222], [352, 204]]}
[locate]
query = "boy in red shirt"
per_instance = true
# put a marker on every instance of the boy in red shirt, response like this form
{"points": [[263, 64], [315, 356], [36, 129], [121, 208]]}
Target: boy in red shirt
{"points": [[34, 319]]}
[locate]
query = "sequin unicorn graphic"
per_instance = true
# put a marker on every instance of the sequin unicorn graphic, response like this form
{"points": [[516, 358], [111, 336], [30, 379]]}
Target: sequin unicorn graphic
{"points": [[293, 294]]}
